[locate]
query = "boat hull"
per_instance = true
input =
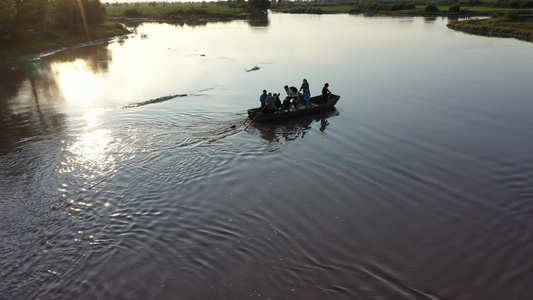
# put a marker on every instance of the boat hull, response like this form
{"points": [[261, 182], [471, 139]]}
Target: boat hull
{"points": [[255, 114]]}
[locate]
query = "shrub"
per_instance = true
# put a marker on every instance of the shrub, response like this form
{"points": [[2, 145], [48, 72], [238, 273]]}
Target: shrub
{"points": [[456, 7], [512, 15], [475, 2], [175, 12], [131, 13], [431, 8], [382, 6], [528, 4]]}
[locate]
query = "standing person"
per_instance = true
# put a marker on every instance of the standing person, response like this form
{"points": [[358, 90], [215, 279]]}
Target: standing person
{"points": [[325, 93], [306, 92], [263, 97]]}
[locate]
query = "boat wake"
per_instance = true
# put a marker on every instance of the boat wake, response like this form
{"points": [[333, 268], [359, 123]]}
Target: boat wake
{"points": [[196, 131]]}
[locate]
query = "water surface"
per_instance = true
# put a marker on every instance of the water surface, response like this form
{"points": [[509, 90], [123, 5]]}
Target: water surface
{"points": [[126, 174]]}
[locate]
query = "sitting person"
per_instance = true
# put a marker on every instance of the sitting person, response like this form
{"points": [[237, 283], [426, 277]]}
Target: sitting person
{"points": [[270, 102], [286, 104], [295, 103], [277, 101]]}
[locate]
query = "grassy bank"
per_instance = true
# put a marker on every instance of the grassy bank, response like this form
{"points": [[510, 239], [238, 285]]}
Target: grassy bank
{"points": [[44, 41], [177, 11], [389, 8], [41, 41], [507, 21], [511, 25]]}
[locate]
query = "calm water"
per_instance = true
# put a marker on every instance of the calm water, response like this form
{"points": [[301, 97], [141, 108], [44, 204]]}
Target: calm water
{"points": [[125, 172]]}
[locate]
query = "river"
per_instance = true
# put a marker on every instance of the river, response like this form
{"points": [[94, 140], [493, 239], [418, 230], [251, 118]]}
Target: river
{"points": [[125, 172]]}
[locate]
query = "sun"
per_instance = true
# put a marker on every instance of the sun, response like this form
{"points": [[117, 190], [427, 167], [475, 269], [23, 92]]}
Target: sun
{"points": [[76, 81]]}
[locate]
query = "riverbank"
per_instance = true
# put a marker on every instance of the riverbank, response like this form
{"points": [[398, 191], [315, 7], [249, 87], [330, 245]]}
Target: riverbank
{"points": [[514, 26], [505, 22], [41, 43], [37, 43], [189, 13], [400, 9]]}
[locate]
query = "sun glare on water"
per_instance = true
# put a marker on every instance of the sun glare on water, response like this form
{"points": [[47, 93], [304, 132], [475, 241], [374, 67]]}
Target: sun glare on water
{"points": [[76, 81]]}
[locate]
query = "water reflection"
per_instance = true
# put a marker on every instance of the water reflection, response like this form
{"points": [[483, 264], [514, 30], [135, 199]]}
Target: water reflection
{"points": [[159, 200], [88, 156], [32, 92], [260, 21], [76, 82], [283, 131], [96, 58], [27, 96]]}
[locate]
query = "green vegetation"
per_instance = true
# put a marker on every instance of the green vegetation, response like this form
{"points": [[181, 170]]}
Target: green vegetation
{"points": [[160, 10], [431, 8], [30, 26], [49, 40], [514, 3], [21, 19], [506, 19], [509, 25], [171, 11], [456, 7], [408, 7], [188, 11]]}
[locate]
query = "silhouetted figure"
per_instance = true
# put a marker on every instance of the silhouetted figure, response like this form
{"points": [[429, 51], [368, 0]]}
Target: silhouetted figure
{"points": [[325, 93]]}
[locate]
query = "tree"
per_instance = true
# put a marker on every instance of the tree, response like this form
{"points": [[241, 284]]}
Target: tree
{"points": [[456, 7], [262, 5], [8, 13], [431, 8], [30, 14], [72, 13], [21, 19]]}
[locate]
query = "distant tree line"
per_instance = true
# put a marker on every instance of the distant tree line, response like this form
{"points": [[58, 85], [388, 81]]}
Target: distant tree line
{"points": [[21, 18], [258, 5], [383, 6], [514, 4], [361, 6]]}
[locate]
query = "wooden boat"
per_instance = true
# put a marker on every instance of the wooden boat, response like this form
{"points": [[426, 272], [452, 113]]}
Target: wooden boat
{"points": [[317, 105]]}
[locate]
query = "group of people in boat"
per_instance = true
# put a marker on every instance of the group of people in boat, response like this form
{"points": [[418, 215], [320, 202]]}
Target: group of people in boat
{"points": [[295, 99]]}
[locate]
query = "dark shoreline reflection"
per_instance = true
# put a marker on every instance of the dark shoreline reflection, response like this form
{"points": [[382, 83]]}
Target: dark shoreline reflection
{"points": [[259, 21], [97, 58], [30, 94], [27, 97], [291, 129]]}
